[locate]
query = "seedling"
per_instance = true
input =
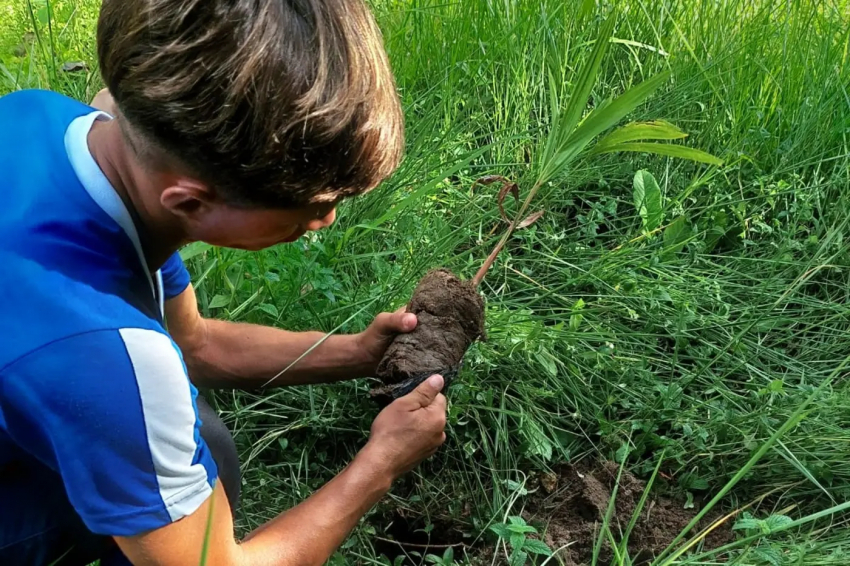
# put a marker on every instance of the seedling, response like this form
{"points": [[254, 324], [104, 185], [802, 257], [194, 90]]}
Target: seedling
{"points": [[450, 311], [515, 532]]}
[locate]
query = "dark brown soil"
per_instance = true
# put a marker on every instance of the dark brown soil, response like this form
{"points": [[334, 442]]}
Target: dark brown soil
{"points": [[451, 317], [573, 502]]}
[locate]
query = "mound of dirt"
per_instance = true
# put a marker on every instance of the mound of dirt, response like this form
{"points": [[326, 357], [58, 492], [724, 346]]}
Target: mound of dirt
{"points": [[451, 317], [573, 502]]}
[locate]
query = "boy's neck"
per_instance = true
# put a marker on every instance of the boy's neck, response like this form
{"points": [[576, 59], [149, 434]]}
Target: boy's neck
{"points": [[159, 232]]}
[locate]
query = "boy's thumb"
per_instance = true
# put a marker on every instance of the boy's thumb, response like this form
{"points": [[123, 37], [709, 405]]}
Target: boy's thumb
{"points": [[428, 390]]}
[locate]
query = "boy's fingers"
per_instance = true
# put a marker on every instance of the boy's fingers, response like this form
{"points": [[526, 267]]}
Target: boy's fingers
{"points": [[400, 321], [428, 390]]}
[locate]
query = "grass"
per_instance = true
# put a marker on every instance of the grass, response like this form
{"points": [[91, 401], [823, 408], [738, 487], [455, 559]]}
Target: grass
{"points": [[603, 339]]}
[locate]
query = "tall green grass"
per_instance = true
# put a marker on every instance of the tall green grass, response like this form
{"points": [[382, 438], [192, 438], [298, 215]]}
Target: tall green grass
{"points": [[603, 340]]}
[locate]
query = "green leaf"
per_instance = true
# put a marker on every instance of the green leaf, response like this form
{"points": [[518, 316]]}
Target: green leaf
{"points": [[713, 234], [521, 529], [667, 149], [449, 556], [746, 523], [564, 123], [501, 530], [516, 486], [587, 8], [207, 533], [634, 131], [518, 558], [675, 235], [587, 78], [193, 249], [219, 301], [537, 547], [538, 443], [517, 541], [777, 521], [608, 115], [647, 197], [515, 520], [270, 310], [769, 555]]}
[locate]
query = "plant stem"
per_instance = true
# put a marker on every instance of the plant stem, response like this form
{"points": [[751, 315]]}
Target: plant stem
{"points": [[479, 276]]}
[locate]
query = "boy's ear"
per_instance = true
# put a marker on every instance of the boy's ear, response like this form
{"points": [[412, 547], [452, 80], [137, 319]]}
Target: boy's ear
{"points": [[187, 198]]}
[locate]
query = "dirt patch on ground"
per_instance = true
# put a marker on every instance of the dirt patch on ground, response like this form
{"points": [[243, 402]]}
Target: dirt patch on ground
{"points": [[573, 501], [451, 317]]}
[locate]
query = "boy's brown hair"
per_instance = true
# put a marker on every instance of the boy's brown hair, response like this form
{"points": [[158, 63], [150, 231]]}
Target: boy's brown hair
{"points": [[274, 103]]}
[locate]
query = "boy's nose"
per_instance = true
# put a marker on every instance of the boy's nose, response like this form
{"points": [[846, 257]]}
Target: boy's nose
{"points": [[323, 222]]}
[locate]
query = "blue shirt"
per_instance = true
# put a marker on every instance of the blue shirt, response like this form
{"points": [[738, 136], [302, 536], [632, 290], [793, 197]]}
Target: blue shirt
{"points": [[91, 385]]}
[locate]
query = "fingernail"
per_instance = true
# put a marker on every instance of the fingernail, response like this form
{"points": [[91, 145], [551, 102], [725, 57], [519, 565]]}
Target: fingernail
{"points": [[436, 381], [409, 320]]}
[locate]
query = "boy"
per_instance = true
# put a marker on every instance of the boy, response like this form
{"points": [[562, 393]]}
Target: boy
{"points": [[240, 123]]}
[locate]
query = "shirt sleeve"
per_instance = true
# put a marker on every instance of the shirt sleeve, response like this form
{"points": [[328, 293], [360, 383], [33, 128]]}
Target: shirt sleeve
{"points": [[113, 412], [175, 277]]}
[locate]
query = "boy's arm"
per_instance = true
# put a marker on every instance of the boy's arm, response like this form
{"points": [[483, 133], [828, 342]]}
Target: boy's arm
{"points": [[405, 433], [222, 354]]}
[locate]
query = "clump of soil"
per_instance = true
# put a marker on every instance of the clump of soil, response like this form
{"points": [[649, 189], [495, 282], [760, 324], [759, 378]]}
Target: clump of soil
{"points": [[572, 504], [451, 317]]}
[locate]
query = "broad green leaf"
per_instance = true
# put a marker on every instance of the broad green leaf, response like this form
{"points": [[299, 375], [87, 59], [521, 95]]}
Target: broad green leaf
{"points": [[666, 149], [538, 443], [769, 555], [635, 131], [746, 522], [270, 310], [777, 521], [522, 529], [501, 530], [219, 301], [516, 487], [537, 547], [675, 235], [518, 558], [515, 520], [647, 197], [449, 556], [517, 541], [193, 249]]}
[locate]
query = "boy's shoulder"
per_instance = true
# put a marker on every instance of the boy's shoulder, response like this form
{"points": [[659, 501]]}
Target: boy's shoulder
{"points": [[26, 105], [45, 305], [36, 120]]}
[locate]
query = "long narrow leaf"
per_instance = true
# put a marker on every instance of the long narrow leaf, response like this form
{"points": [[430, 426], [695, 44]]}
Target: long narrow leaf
{"points": [[635, 131], [586, 80], [639, 509], [668, 149], [603, 118], [554, 119]]}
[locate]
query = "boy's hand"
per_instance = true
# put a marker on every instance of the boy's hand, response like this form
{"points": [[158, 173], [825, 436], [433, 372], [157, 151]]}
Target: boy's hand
{"points": [[373, 341], [410, 429]]}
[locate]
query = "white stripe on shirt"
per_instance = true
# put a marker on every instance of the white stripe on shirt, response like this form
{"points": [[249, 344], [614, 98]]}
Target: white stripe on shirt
{"points": [[169, 420]]}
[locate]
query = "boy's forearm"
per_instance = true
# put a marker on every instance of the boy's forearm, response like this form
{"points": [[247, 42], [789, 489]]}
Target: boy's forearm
{"points": [[245, 356], [310, 533]]}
